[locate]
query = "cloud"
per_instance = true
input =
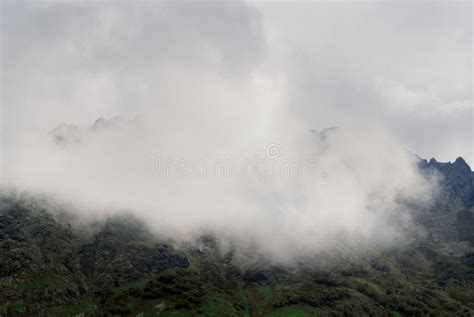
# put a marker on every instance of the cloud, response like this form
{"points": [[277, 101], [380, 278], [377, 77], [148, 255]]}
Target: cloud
{"points": [[207, 82], [85, 60], [395, 63]]}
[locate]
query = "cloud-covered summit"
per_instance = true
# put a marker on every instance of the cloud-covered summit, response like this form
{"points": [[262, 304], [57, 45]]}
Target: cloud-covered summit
{"points": [[222, 81]]}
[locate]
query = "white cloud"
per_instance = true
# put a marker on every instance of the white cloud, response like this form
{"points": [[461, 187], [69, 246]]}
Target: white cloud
{"points": [[222, 80]]}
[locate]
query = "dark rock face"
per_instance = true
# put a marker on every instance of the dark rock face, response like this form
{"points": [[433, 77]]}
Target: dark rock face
{"points": [[452, 217], [37, 253], [264, 276], [465, 225], [124, 249], [66, 134], [48, 264], [457, 178], [19, 227]]}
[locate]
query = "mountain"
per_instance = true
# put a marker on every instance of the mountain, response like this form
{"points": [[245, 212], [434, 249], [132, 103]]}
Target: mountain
{"points": [[453, 213], [66, 134], [50, 266]]}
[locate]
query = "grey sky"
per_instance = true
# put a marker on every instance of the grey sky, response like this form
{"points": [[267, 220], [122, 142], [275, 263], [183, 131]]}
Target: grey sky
{"points": [[406, 66]]}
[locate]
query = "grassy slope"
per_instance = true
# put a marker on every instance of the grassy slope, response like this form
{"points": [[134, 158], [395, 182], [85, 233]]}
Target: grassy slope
{"points": [[50, 278]]}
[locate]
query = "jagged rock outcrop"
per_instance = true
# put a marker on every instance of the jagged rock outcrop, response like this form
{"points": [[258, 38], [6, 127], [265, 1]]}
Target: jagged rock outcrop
{"points": [[457, 178], [66, 134]]}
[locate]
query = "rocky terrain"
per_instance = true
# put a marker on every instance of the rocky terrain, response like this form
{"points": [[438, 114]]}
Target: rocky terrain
{"points": [[116, 267]]}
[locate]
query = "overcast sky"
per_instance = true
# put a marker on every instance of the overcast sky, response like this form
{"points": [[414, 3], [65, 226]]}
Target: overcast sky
{"points": [[406, 66]]}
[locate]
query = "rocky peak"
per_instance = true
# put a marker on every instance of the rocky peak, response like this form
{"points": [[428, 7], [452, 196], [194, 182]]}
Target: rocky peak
{"points": [[457, 177], [461, 165], [66, 134]]}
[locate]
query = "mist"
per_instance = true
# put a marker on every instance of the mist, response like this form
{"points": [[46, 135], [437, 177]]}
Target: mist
{"points": [[184, 115]]}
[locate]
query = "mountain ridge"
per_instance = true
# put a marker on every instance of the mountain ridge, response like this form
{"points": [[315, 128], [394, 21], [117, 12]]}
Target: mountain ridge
{"points": [[49, 267]]}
